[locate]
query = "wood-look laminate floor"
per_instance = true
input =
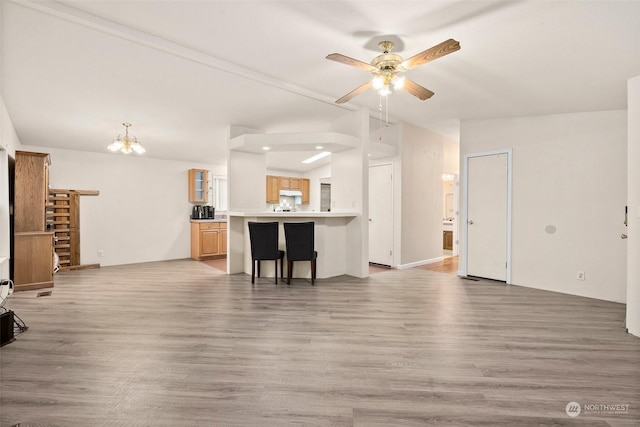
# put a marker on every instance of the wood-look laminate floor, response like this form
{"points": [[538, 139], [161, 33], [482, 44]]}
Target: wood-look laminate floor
{"points": [[447, 265], [179, 343]]}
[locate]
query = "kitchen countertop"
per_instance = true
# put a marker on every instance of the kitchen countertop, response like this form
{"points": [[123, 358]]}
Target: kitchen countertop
{"points": [[209, 220], [270, 214]]}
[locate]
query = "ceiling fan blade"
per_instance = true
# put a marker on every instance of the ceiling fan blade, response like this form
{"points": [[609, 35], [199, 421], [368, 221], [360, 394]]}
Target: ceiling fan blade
{"points": [[437, 51], [338, 57], [416, 90], [354, 92]]}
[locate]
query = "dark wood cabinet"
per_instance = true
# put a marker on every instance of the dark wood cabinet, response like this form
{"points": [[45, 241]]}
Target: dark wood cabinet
{"points": [[33, 244], [31, 191], [447, 240], [33, 268]]}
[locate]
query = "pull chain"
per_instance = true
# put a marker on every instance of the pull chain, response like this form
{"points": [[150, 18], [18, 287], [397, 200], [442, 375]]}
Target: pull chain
{"points": [[386, 101]]}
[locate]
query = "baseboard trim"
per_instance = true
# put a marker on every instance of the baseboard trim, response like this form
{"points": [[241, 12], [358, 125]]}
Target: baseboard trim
{"points": [[419, 263]]}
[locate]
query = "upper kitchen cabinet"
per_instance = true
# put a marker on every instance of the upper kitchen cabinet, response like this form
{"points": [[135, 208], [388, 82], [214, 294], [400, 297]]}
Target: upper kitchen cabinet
{"points": [[277, 183], [273, 189], [198, 184], [289, 183], [305, 191], [32, 191]]}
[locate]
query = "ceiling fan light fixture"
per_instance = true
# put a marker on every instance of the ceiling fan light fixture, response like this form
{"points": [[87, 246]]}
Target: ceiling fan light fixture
{"points": [[377, 82], [398, 82], [385, 66], [385, 90]]}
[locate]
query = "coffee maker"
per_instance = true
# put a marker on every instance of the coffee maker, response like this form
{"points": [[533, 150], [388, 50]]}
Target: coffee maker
{"points": [[203, 212]]}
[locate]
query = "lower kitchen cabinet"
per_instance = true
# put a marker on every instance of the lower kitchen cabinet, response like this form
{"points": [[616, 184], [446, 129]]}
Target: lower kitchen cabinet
{"points": [[208, 239]]}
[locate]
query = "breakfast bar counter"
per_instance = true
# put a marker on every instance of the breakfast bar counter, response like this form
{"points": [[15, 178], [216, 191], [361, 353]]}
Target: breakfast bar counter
{"points": [[331, 241]]}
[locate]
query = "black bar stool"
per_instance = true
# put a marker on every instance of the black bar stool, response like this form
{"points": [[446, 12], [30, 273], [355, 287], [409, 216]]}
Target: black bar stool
{"points": [[299, 237], [264, 247]]}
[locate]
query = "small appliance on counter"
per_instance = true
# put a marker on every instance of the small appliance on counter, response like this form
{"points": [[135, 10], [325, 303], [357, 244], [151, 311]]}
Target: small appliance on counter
{"points": [[203, 212]]}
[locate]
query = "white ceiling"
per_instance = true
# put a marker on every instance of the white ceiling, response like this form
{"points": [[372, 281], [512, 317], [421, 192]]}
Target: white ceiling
{"points": [[182, 71]]}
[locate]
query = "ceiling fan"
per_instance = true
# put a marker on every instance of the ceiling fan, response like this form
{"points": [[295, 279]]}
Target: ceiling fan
{"points": [[385, 69]]}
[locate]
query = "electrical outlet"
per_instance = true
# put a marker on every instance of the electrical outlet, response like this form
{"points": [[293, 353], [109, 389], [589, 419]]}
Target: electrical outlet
{"points": [[100, 253], [580, 275]]}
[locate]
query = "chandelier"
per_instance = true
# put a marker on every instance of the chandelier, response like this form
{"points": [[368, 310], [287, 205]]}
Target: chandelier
{"points": [[126, 144]]}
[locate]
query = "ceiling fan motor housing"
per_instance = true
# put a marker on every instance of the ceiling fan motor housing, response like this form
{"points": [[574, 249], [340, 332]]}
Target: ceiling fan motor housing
{"points": [[387, 61]]}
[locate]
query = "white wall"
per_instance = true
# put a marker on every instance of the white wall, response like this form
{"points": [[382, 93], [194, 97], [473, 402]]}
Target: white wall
{"points": [[316, 177], [142, 212], [350, 190], [421, 216], [451, 157], [8, 143], [569, 172], [633, 201], [247, 181]]}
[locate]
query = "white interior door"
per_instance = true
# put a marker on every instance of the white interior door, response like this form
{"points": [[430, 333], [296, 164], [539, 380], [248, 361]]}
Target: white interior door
{"points": [[381, 214], [487, 216]]}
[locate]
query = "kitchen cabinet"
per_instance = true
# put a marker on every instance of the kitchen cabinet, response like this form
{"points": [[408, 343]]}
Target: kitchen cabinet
{"points": [[305, 191], [198, 185], [208, 239], [277, 183], [290, 183], [285, 183], [273, 189], [31, 191], [295, 184], [447, 240]]}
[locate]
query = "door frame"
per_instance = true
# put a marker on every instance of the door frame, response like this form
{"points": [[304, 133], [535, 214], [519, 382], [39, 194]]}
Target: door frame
{"points": [[465, 213], [393, 210]]}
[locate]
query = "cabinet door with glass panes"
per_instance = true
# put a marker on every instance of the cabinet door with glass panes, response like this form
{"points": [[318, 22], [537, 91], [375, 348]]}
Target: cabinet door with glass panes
{"points": [[198, 185]]}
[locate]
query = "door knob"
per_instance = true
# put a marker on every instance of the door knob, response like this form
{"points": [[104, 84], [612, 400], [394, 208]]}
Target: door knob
{"points": [[623, 236], [470, 222]]}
